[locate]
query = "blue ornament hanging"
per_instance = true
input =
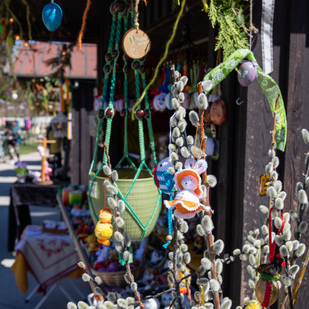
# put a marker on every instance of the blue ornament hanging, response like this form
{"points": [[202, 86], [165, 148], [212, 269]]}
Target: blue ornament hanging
{"points": [[52, 16]]}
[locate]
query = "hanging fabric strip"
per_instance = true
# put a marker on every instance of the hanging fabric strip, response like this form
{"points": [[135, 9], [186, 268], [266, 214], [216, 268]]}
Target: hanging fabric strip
{"points": [[268, 85], [268, 8]]}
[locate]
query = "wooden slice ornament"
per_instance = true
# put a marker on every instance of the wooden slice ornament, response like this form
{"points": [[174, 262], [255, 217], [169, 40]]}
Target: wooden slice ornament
{"points": [[136, 43]]}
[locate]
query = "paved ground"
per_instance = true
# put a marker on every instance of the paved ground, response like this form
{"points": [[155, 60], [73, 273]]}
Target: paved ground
{"points": [[10, 296]]}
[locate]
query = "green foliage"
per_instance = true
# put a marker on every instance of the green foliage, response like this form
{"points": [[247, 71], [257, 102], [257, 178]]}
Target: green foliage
{"points": [[229, 17]]}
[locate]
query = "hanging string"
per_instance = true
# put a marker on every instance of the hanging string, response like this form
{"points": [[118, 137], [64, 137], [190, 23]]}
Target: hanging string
{"points": [[162, 59], [136, 24], [81, 32], [251, 28]]}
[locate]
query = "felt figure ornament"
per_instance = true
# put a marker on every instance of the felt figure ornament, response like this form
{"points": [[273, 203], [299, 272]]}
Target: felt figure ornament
{"points": [[163, 179], [188, 182], [104, 230]]}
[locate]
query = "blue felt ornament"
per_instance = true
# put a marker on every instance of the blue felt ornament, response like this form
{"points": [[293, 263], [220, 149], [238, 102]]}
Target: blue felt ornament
{"points": [[52, 16]]}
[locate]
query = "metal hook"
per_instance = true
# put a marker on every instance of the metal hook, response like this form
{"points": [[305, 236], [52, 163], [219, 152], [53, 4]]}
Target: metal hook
{"points": [[239, 103]]}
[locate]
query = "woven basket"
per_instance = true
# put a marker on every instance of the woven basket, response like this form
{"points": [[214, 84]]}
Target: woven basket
{"points": [[116, 279], [144, 199]]}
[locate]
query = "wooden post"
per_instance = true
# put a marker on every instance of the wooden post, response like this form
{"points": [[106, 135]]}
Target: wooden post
{"points": [[44, 142]]}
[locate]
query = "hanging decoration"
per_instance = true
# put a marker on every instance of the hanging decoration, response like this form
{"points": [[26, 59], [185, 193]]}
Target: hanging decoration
{"points": [[247, 73], [59, 125], [135, 185], [52, 16], [188, 183], [135, 42], [268, 85], [81, 32], [268, 9]]}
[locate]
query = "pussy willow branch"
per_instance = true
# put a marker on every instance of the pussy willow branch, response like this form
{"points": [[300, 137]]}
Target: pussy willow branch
{"points": [[128, 268]]}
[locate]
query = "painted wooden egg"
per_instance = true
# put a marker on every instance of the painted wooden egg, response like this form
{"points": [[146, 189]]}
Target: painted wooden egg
{"points": [[247, 73], [168, 100], [266, 292], [218, 113], [52, 16]]}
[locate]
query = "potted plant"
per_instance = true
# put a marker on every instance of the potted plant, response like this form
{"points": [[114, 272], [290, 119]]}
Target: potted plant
{"points": [[21, 171]]}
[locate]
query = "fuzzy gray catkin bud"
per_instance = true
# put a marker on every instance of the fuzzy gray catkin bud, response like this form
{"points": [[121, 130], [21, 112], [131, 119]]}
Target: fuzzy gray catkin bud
{"points": [[107, 170], [190, 140], [289, 245], [118, 236], [211, 180], [293, 270], [226, 304], [180, 86], [214, 285], [282, 195], [126, 255], [82, 305], [185, 152], [120, 222], [176, 132], [206, 263], [178, 165], [179, 141], [271, 192], [286, 217], [118, 247], [295, 244], [219, 266], [287, 281], [305, 135], [71, 305], [218, 246], [182, 125], [252, 259], [200, 230], [181, 113], [133, 286], [86, 277], [263, 209], [300, 250], [279, 203], [302, 196], [246, 248], [175, 104], [184, 248], [115, 175], [187, 257], [271, 153], [269, 168], [184, 227], [184, 79], [294, 215], [284, 251], [202, 102], [111, 202], [194, 118], [207, 85], [278, 186], [278, 223], [207, 224], [302, 228], [121, 303], [181, 96], [112, 189], [236, 252], [174, 156], [171, 147], [275, 162], [307, 182]]}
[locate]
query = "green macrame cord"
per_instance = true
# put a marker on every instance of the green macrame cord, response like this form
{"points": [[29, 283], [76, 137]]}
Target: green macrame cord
{"points": [[120, 22]]}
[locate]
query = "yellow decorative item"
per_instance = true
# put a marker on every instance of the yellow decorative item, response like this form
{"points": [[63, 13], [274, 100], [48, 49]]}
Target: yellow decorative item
{"points": [[104, 230], [254, 305]]}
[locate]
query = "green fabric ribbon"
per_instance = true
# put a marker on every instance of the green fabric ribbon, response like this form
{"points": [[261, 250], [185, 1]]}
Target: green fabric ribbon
{"points": [[268, 85]]}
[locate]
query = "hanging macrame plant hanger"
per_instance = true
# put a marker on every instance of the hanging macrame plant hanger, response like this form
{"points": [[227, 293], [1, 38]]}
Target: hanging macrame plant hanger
{"points": [[135, 185]]}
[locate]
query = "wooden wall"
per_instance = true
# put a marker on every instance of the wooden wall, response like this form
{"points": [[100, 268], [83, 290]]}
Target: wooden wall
{"points": [[291, 57], [81, 144]]}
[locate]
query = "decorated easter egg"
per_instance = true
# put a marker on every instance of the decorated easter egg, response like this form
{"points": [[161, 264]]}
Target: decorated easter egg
{"points": [[247, 73], [168, 100], [52, 16], [266, 292], [218, 112]]}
